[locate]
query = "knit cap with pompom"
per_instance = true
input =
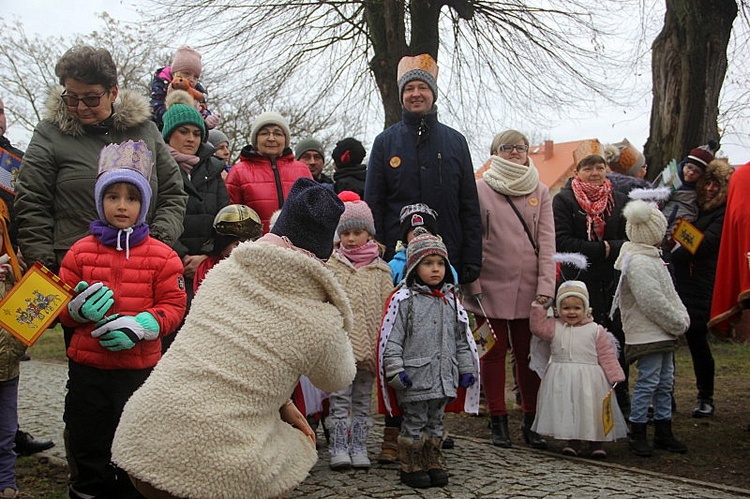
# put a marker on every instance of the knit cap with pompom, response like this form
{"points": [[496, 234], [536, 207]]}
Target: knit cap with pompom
{"points": [[357, 214], [645, 223]]}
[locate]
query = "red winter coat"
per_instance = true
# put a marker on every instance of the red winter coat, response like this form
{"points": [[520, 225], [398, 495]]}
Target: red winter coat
{"points": [[263, 183], [149, 281]]}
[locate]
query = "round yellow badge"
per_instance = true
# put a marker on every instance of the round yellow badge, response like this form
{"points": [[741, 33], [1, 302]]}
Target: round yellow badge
{"points": [[533, 201], [395, 162]]}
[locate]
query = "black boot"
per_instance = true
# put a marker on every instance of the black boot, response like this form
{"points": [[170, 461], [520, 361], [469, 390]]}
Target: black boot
{"points": [[532, 438], [500, 434], [27, 445], [704, 408], [638, 443], [664, 439]]}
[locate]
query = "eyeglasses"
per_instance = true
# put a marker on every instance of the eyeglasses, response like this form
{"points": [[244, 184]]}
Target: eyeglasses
{"points": [[268, 133], [88, 101], [510, 147]]}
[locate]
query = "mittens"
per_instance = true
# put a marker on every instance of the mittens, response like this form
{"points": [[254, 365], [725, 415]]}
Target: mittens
{"points": [[122, 332], [212, 120], [91, 303], [467, 380], [400, 381]]}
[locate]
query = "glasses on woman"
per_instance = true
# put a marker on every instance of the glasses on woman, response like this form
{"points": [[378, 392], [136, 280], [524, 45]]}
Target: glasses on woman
{"points": [[88, 101], [510, 147], [268, 133]]}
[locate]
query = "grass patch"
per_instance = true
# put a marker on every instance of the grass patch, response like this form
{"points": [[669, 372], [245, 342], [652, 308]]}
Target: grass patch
{"points": [[50, 347]]}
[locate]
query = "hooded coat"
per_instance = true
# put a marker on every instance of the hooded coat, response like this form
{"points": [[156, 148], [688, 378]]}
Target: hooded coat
{"points": [[55, 200], [206, 422]]}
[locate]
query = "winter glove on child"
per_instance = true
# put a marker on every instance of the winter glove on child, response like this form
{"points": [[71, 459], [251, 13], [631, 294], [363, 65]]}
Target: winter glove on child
{"points": [[91, 303], [467, 380], [5, 268], [122, 332], [400, 381]]}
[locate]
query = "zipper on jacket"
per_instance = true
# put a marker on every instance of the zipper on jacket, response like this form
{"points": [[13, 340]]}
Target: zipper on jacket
{"points": [[534, 221], [277, 179], [440, 168], [487, 225]]}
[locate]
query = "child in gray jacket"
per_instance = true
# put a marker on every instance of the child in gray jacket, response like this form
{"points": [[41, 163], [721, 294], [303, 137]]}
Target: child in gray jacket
{"points": [[426, 353]]}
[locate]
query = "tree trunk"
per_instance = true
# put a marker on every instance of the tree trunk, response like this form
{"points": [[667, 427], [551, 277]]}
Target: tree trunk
{"points": [[689, 63], [385, 19]]}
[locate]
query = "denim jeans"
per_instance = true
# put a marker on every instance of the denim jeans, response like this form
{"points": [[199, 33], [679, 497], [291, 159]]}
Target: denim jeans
{"points": [[654, 384], [8, 427], [354, 400]]}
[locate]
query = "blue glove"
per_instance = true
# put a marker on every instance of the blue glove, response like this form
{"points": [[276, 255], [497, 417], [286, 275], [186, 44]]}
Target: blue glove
{"points": [[467, 380], [91, 303], [400, 381], [122, 332]]}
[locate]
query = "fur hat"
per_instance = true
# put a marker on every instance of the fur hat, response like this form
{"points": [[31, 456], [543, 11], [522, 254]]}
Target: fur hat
{"points": [[309, 217], [645, 223], [182, 114], [717, 171], [216, 137], [129, 162], [309, 144], [572, 288], [357, 214], [187, 59], [417, 215], [348, 151], [623, 157], [268, 118], [419, 67], [423, 245], [703, 155]]}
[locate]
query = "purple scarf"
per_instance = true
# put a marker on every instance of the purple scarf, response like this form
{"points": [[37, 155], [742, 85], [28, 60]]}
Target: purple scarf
{"points": [[110, 236]]}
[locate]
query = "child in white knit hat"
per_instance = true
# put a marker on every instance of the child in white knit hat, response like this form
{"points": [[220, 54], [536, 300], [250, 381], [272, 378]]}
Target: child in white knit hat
{"points": [[652, 318], [583, 362], [366, 278]]}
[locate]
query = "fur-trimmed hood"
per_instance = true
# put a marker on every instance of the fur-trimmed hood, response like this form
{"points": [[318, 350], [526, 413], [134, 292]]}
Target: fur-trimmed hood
{"points": [[130, 109], [719, 171]]}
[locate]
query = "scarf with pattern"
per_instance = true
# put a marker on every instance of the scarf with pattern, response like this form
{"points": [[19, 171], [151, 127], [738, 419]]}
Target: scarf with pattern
{"points": [[597, 201]]}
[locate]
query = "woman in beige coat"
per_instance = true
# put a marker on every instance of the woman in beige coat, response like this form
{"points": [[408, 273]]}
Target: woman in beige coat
{"points": [[517, 268]]}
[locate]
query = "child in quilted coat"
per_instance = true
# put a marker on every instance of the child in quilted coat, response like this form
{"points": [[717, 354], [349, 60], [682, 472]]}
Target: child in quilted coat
{"points": [[121, 271], [366, 278]]}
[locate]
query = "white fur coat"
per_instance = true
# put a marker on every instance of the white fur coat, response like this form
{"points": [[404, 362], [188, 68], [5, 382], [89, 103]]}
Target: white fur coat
{"points": [[206, 422]]}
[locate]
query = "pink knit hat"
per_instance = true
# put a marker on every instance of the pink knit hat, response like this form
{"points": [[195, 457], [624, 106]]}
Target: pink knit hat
{"points": [[187, 59], [357, 214]]}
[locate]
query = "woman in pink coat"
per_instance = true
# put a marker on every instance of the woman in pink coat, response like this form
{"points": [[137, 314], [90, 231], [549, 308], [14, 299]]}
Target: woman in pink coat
{"points": [[518, 243]]}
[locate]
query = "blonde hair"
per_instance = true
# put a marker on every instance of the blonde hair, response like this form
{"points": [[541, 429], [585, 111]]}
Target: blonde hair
{"points": [[507, 137]]}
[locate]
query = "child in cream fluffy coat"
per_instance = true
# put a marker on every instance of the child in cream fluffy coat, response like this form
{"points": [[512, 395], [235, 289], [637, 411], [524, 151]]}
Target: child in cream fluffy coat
{"points": [[652, 318], [583, 363], [366, 278]]}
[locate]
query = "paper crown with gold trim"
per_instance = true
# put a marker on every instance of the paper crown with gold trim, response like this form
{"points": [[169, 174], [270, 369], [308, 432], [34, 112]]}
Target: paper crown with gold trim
{"points": [[419, 67], [128, 155]]}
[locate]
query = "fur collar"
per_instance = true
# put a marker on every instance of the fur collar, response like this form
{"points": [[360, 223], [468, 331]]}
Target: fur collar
{"points": [[131, 109]]}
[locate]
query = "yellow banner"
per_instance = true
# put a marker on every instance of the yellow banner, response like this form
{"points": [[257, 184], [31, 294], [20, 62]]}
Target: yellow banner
{"points": [[34, 302], [688, 235]]}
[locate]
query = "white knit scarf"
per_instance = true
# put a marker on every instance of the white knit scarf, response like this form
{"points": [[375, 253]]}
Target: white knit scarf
{"points": [[511, 179], [627, 251]]}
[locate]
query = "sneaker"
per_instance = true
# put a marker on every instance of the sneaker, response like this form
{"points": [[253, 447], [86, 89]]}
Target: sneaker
{"points": [[703, 409]]}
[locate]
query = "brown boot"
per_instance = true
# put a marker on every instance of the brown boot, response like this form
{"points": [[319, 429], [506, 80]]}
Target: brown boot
{"points": [[411, 455], [433, 462], [389, 447]]}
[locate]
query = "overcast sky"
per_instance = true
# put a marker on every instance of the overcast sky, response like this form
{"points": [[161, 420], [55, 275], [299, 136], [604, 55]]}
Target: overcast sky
{"points": [[603, 121]]}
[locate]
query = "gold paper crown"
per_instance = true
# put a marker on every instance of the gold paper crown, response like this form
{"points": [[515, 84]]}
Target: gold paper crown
{"points": [[129, 156], [425, 62]]}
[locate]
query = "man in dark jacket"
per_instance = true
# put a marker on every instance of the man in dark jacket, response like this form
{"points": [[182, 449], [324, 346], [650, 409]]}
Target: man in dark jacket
{"points": [[25, 443], [310, 152], [420, 160], [350, 173]]}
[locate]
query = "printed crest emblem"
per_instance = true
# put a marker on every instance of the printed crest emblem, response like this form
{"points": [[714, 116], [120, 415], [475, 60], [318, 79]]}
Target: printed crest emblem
{"points": [[533, 201], [181, 282], [417, 220], [395, 162]]}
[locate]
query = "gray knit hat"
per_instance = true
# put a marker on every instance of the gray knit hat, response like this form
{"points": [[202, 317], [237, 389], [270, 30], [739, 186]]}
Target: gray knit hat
{"points": [[357, 215], [216, 137], [269, 118], [309, 217], [309, 144]]}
